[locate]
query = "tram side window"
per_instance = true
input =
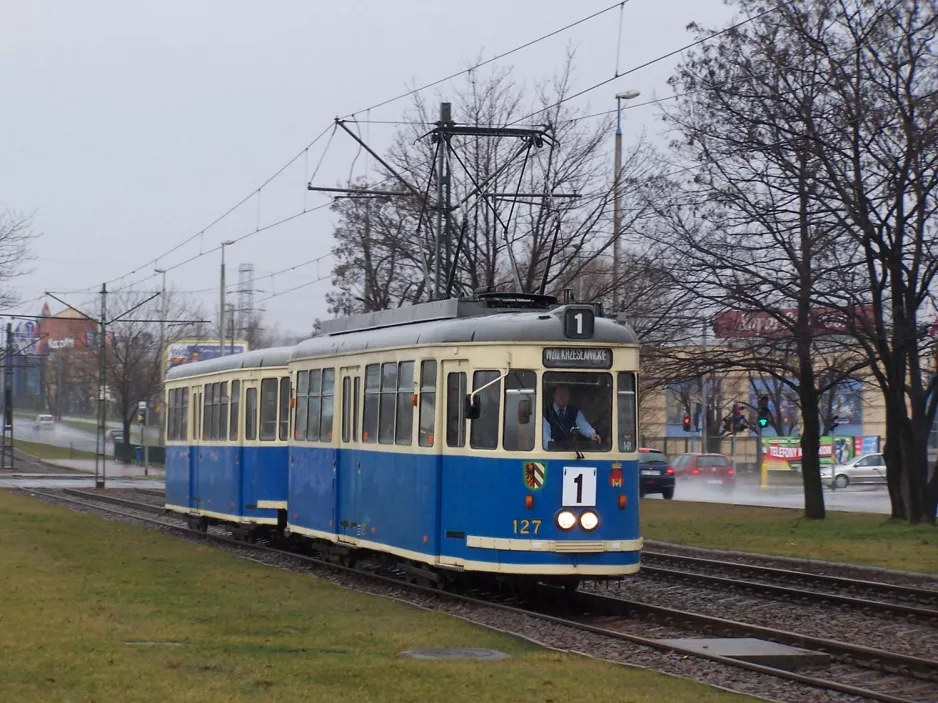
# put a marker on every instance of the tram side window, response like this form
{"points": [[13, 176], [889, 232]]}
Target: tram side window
{"points": [[346, 409], [170, 414], [388, 395], [372, 398], [520, 401], [196, 414], [404, 430], [207, 412], [216, 399], [483, 432], [456, 409], [223, 413], [184, 427], [235, 404], [328, 401], [250, 414], [627, 412], [427, 420], [176, 414], [315, 399], [302, 405], [284, 408], [358, 392], [268, 410]]}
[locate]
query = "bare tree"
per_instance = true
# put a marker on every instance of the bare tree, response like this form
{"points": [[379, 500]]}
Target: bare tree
{"points": [[538, 241], [16, 238], [133, 359], [747, 231]]}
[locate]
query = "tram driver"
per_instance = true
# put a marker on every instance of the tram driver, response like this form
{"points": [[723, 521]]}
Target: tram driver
{"points": [[561, 418]]}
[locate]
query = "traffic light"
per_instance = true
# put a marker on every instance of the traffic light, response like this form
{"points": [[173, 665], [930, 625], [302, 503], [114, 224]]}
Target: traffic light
{"points": [[142, 417], [687, 423], [764, 411]]}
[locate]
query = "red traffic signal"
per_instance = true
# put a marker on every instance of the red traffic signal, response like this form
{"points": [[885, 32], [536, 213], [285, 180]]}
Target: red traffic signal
{"points": [[687, 423]]}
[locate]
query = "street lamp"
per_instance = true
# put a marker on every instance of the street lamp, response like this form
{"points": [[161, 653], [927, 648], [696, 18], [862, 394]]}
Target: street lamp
{"points": [[221, 296], [162, 355], [617, 195]]}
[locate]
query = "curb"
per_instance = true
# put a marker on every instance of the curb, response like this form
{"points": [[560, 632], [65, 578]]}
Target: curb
{"points": [[794, 561]]}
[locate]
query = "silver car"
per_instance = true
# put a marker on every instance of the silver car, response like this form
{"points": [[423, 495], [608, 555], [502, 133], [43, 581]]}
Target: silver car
{"points": [[869, 468]]}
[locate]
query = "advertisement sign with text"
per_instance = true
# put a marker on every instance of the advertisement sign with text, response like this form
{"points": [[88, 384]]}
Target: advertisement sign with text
{"points": [[187, 351]]}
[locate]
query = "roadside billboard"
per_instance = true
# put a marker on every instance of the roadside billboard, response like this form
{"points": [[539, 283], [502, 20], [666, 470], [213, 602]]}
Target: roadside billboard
{"points": [[186, 351], [784, 453]]}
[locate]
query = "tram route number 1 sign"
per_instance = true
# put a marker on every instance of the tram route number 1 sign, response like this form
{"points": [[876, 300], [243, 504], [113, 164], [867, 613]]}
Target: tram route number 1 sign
{"points": [[579, 487]]}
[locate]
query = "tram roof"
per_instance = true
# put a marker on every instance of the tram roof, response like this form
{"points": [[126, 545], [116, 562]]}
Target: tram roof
{"points": [[545, 326], [261, 358]]}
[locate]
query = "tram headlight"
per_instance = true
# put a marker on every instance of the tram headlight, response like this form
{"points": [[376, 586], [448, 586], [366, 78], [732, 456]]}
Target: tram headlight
{"points": [[589, 520], [566, 520]]}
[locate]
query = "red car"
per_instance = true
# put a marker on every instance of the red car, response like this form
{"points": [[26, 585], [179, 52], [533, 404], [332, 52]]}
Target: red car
{"points": [[710, 469]]}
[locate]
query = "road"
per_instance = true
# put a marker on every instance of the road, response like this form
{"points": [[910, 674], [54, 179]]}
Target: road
{"points": [[860, 499], [70, 435]]}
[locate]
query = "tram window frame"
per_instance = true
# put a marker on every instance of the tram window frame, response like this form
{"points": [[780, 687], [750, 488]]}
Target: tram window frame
{"points": [[234, 411], [576, 377], [250, 414], [404, 413], [456, 409], [327, 401], [313, 406], [301, 412], [216, 402], [623, 406], [268, 408], [483, 433], [284, 417], [223, 413], [387, 405], [510, 440], [346, 409], [355, 407], [184, 431], [371, 404], [170, 413], [175, 419], [206, 412], [426, 422], [196, 414]]}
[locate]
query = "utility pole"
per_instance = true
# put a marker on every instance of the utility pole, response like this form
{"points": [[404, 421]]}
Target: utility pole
{"points": [[231, 328], [6, 461], [99, 457], [617, 198], [162, 358], [446, 116], [221, 301], [703, 395]]}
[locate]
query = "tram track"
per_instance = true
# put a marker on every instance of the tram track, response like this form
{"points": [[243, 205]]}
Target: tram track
{"points": [[863, 672], [838, 589]]}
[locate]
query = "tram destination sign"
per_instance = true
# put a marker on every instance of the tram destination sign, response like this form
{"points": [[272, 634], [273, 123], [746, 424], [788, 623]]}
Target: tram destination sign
{"points": [[577, 358]]}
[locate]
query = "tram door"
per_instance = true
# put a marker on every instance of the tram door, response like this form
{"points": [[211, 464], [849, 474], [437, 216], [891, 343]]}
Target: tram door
{"points": [[454, 384], [346, 473]]}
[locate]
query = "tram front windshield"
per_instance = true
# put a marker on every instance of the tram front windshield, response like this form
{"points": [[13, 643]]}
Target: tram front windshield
{"points": [[577, 411]]}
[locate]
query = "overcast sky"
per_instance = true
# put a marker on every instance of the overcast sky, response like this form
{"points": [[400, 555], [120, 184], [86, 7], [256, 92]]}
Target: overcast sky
{"points": [[126, 128]]}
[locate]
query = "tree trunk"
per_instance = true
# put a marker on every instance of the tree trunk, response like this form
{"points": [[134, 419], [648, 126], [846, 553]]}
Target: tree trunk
{"points": [[128, 446], [810, 449]]}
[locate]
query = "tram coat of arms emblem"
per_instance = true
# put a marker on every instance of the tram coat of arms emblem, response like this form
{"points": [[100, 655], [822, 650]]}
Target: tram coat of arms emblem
{"points": [[615, 476], [535, 475]]}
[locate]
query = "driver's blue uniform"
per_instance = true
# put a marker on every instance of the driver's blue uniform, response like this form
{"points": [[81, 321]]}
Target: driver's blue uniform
{"points": [[569, 417]]}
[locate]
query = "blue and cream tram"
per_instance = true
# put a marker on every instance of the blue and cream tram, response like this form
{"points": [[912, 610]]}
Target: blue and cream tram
{"points": [[492, 436]]}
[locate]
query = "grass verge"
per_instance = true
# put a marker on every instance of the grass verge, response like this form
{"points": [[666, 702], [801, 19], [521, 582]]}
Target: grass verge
{"points": [[74, 600], [50, 451], [855, 538]]}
